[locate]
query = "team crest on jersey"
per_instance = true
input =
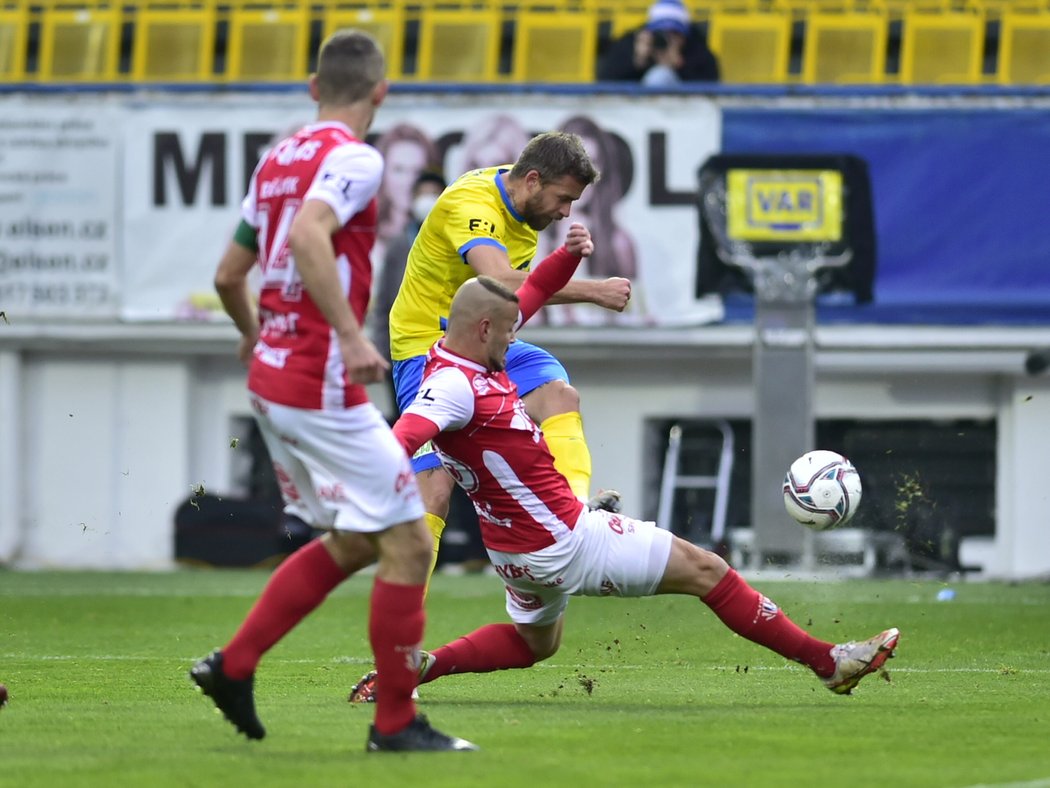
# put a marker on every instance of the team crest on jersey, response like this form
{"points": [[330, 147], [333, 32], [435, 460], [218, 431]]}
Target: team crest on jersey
{"points": [[461, 473]]}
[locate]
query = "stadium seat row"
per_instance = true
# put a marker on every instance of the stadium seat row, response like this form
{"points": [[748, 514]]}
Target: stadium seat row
{"points": [[552, 41]]}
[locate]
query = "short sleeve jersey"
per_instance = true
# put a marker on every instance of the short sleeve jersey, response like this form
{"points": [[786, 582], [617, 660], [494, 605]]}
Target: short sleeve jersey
{"points": [[496, 453], [474, 210], [297, 360]]}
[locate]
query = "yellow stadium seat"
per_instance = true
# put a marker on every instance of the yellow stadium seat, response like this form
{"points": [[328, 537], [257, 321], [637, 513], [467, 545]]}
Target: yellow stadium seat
{"points": [[945, 48], [268, 44], [799, 9], [459, 45], [79, 44], [387, 25], [554, 47], [994, 9], [1024, 49], [895, 9], [844, 48], [625, 20], [751, 48], [173, 44], [14, 33], [700, 10]]}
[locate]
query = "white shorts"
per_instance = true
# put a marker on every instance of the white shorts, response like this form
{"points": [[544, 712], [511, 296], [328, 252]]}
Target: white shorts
{"points": [[606, 555], [339, 469]]}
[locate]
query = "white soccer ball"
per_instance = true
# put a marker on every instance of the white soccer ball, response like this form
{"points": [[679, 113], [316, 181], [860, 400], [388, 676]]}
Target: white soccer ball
{"points": [[822, 490]]}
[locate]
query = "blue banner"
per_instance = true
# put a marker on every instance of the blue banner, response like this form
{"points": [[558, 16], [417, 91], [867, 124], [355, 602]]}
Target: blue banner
{"points": [[960, 201]]}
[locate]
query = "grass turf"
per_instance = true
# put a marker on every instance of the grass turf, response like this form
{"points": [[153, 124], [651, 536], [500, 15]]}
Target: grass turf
{"points": [[651, 691]]}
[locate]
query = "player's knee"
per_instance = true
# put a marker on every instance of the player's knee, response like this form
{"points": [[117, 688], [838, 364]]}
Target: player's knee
{"points": [[692, 570], [435, 490], [567, 398], [543, 642], [550, 399], [350, 551], [711, 568]]}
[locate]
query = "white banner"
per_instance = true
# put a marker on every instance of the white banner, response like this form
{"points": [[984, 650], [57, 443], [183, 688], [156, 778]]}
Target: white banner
{"points": [[58, 207], [188, 160]]}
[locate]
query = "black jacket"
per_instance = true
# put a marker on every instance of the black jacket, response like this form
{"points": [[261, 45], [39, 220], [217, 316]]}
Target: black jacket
{"points": [[700, 65]]}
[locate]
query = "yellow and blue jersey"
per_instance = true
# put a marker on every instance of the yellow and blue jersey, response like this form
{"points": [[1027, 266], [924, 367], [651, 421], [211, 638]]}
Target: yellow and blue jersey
{"points": [[475, 210]]}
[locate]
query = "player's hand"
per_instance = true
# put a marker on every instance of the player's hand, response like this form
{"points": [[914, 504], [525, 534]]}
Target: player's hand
{"points": [[364, 364], [614, 293], [578, 240], [246, 349]]}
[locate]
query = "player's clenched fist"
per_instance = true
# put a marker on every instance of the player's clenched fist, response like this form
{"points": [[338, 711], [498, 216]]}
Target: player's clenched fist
{"points": [[614, 293], [578, 240]]}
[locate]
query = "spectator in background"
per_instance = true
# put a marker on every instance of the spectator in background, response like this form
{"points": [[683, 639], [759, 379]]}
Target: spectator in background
{"points": [[428, 185], [667, 50], [407, 151]]}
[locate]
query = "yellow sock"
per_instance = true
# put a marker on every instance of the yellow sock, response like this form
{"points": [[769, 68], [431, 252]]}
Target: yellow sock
{"points": [[572, 458], [436, 526]]}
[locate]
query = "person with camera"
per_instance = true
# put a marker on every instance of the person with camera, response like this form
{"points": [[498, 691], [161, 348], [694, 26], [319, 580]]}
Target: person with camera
{"points": [[668, 49]]}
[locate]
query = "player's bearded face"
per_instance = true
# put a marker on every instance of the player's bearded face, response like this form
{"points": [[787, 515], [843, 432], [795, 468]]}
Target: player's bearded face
{"points": [[551, 202]]}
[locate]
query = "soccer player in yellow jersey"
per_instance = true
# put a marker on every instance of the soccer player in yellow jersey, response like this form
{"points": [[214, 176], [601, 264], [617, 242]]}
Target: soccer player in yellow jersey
{"points": [[486, 223]]}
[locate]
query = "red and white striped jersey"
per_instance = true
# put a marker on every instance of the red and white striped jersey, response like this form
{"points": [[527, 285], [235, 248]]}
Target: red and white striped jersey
{"points": [[297, 359], [496, 453]]}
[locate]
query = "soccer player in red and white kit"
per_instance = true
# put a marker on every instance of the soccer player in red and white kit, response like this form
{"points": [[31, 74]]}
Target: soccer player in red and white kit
{"points": [[312, 205], [543, 542]]}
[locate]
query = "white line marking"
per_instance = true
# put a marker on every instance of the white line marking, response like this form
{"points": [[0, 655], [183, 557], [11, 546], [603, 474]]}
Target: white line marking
{"points": [[545, 665]]}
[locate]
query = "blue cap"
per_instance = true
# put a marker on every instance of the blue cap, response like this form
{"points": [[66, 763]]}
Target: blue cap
{"points": [[668, 15]]}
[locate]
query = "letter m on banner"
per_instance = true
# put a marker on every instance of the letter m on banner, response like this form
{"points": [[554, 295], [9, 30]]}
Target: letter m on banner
{"points": [[169, 159]]}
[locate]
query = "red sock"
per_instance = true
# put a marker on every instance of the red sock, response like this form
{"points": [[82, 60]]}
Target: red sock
{"points": [[493, 647], [754, 616], [395, 628], [296, 587]]}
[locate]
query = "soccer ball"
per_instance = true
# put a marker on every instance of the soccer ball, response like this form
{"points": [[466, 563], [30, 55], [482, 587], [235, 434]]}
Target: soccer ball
{"points": [[822, 490]]}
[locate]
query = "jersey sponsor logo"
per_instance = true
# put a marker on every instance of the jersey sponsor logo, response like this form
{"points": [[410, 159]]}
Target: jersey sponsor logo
{"points": [[274, 324], [514, 572], [343, 184], [271, 356], [480, 384], [424, 450], [481, 227], [334, 492], [292, 150]]}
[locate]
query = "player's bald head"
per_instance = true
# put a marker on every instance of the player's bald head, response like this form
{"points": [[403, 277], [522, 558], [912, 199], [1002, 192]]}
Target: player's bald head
{"points": [[477, 298]]}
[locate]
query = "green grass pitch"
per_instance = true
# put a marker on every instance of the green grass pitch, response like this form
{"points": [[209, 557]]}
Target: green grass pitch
{"points": [[643, 692]]}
